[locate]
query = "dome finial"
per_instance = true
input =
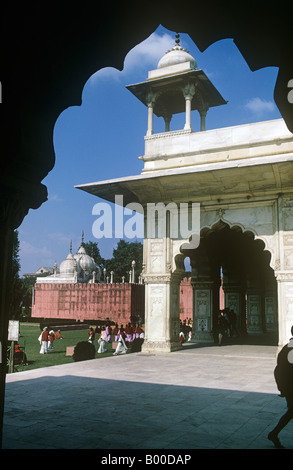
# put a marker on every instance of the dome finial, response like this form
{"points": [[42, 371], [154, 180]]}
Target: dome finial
{"points": [[82, 238], [70, 246], [177, 40]]}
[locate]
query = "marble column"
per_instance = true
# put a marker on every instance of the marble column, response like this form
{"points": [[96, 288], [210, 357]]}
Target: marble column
{"points": [[162, 296], [151, 98], [203, 113], [285, 305], [150, 130], [271, 312], [188, 92], [162, 310], [202, 310], [254, 311], [167, 119]]}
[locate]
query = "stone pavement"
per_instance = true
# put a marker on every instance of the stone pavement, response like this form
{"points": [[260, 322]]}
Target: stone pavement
{"points": [[202, 397]]}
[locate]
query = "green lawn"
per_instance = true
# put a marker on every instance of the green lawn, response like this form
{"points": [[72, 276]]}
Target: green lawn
{"points": [[29, 334]]}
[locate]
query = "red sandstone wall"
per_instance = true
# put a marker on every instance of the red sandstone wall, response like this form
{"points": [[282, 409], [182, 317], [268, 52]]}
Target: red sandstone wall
{"points": [[118, 302], [88, 301]]}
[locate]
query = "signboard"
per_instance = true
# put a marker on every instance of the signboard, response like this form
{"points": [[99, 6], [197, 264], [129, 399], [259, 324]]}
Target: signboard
{"points": [[13, 330]]}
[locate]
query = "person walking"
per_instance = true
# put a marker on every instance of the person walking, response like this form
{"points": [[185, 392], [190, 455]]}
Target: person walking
{"points": [[222, 327], [44, 341], [284, 379], [121, 346], [102, 341], [51, 340]]}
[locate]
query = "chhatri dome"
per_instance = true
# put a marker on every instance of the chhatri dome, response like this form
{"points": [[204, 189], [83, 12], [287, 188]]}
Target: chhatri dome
{"points": [[177, 55], [176, 86]]}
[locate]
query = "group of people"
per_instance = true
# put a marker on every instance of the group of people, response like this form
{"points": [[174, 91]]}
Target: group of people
{"points": [[47, 338], [225, 326], [185, 333], [124, 337]]}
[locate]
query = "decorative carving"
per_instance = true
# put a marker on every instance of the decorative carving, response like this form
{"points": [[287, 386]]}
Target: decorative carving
{"points": [[220, 212], [167, 134], [163, 279], [202, 324], [162, 345], [284, 276], [156, 308], [156, 265], [156, 246], [288, 254], [189, 90], [151, 98], [288, 239]]}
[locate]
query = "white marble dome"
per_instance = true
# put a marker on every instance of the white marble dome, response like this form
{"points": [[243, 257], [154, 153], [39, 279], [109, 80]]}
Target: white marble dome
{"points": [[69, 266], [177, 55], [86, 262]]}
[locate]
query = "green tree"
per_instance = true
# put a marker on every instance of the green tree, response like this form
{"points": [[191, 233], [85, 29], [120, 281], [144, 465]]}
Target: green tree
{"points": [[27, 290], [123, 255], [15, 283]]}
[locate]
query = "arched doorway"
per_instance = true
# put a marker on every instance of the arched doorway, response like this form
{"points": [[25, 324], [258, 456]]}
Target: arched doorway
{"points": [[232, 259]]}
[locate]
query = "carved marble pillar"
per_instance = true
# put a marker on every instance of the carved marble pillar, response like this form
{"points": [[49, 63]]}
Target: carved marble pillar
{"points": [[188, 92], [202, 309], [271, 312], [203, 113], [162, 309], [284, 269], [162, 297], [254, 311], [151, 98], [285, 306], [270, 303], [167, 119]]}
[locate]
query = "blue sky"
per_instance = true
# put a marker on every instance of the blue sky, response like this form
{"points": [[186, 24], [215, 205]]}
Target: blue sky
{"points": [[103, 138]]}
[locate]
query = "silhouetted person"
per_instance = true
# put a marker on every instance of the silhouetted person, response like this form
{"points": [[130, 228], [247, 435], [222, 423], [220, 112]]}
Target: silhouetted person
{"points": [[284, 379], [232, 321], [222, 327]]}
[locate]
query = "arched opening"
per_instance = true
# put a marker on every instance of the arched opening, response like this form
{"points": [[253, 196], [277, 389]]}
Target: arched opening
{"points": [[231, 272]]}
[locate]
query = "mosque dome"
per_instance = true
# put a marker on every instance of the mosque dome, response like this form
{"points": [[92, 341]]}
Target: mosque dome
{"points": [[177, 55], [69, 266], [86, 262]]}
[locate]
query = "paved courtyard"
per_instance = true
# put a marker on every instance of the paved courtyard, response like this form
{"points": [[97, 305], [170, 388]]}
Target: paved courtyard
{"points": [[202, 397]]}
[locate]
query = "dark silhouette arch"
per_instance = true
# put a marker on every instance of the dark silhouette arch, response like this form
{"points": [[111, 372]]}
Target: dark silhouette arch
{"points": [[47, 55]]}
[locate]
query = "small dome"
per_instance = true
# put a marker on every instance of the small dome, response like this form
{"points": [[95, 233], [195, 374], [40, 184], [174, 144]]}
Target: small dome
{"points": [[69, 265], [177, 55]]}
